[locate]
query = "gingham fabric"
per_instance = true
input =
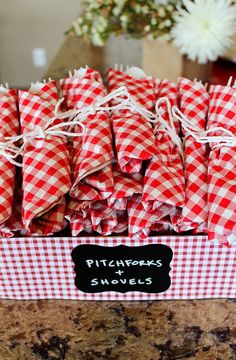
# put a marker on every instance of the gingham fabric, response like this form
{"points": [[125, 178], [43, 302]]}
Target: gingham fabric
{"points": [[79, 215], [164, 181], [142, 90], [105, 220], [222, 165], [9, 126], [194, 102], [164, 226], [125, 185], [46, 170], [42, 268], [142, 222], [134, 138], [167, 88], [92, 154], [14, 223]]}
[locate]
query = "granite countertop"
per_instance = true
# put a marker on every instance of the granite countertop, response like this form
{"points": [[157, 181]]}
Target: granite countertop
{"points": [[78, 330]]}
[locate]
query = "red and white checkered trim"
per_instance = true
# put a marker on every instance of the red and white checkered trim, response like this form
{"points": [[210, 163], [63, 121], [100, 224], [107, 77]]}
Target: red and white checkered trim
{"points": [[42, 268]]}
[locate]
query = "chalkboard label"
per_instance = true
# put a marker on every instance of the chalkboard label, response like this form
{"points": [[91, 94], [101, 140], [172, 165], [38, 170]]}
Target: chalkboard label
{"points": [[122, 268]]}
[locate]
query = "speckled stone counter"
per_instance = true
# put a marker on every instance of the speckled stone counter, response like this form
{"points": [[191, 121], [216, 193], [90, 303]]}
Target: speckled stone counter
{"points": [[161, 330]]}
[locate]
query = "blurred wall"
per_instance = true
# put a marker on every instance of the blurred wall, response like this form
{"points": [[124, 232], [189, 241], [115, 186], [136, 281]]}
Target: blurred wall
{"points": [[29, 24], [231, 53]]}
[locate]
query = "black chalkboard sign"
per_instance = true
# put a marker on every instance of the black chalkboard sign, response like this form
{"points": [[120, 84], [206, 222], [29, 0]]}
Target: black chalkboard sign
{"points": [[122, 268]]}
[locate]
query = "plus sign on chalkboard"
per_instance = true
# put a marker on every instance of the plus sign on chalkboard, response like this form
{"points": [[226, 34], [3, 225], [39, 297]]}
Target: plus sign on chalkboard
{"points": [[122, 268]]}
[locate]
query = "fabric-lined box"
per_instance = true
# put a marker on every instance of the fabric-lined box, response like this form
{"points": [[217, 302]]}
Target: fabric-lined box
{"points": [[145, 157], [42, 268]]}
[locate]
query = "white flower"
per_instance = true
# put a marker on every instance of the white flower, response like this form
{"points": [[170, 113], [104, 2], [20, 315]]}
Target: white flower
{"points": [[100, 23], [119, 7], [161, 2], [77, 28], [120, 3], [97, 39], [205, 29]]}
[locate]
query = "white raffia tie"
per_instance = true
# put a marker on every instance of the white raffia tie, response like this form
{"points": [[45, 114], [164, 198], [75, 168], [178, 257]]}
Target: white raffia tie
{"points": [[10, 152], [124, 101], [76, 118], [203, 136], [169, 129]]}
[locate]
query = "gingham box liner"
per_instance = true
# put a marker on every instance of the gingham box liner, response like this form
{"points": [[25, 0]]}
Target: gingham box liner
{"points": [[42, 268]]}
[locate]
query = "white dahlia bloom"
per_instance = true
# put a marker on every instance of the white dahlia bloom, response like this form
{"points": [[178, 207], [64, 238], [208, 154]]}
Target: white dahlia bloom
{"points": [[204, 29]]}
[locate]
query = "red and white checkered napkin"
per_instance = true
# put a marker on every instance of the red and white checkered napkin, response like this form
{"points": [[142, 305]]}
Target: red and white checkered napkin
{"points": [[125, 186], [164, 182], [141, 221], [92, 154], [167, 88], [194, 102], [164, 226], [79, 215], [46, 168], [222, 165], [14, 223], [105, 220], [134, 138], [9, 126]]}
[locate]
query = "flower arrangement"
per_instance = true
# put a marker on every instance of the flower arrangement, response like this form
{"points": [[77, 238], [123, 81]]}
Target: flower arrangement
{"points": [[201, 29]]}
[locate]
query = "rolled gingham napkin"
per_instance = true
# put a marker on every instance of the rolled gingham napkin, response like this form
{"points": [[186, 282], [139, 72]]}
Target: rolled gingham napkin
{"points": [[125, 186], [194, 102], [222, 165], [141, 221], [92, 153], [79, 216], [134, 138], [46, 168], [9, 126], [164, 226], [14, 224], [106, 221], [164, 183], [167, 88]]}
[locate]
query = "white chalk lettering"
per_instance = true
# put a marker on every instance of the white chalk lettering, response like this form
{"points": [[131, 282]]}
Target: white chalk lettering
{"points": [[124, 281], [104, 262], [128, 262], [120, 263], [140, 282], [104, 282], [89, 262], [94, 282], [123, 263], [119, 272], [114, 282], [159, 263]]}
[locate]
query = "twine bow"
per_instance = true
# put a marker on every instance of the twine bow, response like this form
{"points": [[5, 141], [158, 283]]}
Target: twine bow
{"points": [[123, 101], [168, 128], [203, 136]]}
